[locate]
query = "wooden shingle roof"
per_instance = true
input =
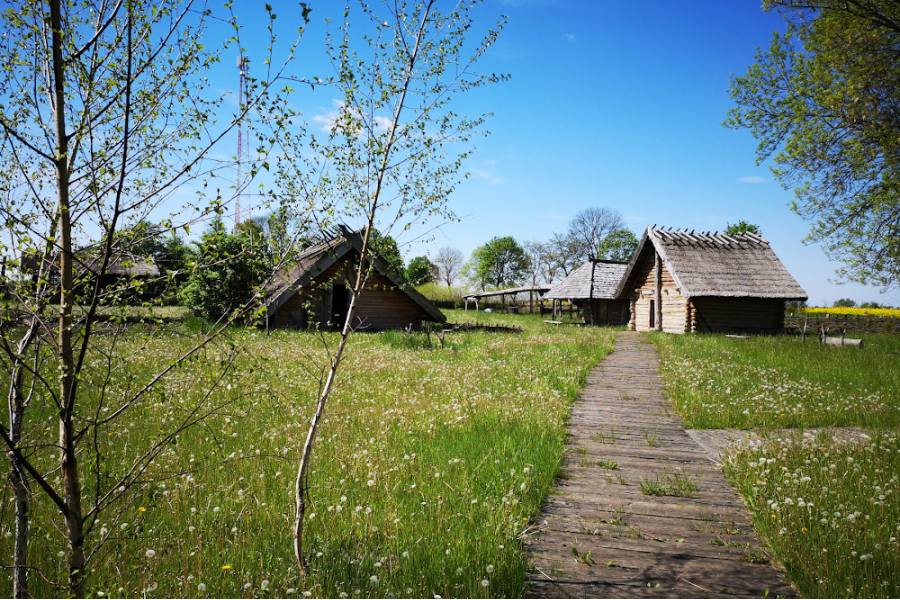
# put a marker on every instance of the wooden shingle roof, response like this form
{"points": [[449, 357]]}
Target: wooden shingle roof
{"points": [[714, 264], [593, 279]]}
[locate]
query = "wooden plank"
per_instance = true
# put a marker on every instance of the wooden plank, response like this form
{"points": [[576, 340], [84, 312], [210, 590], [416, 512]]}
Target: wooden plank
{"points": [[599, 534]]}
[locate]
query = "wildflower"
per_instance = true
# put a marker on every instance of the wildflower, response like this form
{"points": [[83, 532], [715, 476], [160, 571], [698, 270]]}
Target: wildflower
{"points": [[201, 587], [265, 584], [226, 567], [150, 553], [142, 509], [370, 482], [247, 586], [307, 594], [373, 579], [489, 569], [290, 591], [485, 583]]}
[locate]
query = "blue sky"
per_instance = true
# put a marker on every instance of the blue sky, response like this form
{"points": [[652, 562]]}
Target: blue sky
{"points": [[620, 105]]}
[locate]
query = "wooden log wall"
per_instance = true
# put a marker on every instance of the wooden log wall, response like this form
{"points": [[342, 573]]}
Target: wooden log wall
{"points": [[670, 311], [607, 312], [734, 315], [856, 324]]}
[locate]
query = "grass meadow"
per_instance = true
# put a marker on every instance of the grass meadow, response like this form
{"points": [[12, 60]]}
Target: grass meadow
{"points": [[827, 507], [426, 470]]}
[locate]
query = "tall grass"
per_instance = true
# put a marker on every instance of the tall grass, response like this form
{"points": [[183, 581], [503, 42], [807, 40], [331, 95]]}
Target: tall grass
{"points": [[780, 381], [829, 509], [426, 471]]}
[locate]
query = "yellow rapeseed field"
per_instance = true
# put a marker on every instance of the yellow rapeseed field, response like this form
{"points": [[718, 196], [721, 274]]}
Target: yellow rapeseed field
{"points": [[860, 312]]}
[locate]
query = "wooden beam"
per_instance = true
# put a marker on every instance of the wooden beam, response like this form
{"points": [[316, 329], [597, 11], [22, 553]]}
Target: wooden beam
{"points": [[657, 290]]}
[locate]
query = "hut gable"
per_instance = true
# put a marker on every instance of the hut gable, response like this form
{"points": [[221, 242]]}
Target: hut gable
{"points": [[319, 279], [594, 279], [718, 265]]}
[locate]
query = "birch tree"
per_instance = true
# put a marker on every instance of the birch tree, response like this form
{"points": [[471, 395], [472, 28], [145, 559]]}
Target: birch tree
{"points": [[105, 116], [394, 146]]}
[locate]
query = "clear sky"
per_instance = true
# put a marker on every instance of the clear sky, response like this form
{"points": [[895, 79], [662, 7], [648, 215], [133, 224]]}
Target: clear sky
{"points": [[620, 105]]}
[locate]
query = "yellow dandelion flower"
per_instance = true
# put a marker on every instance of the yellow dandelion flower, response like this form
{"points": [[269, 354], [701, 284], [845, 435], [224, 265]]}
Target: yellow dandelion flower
{"points": [[226, 567], [142, 509]]}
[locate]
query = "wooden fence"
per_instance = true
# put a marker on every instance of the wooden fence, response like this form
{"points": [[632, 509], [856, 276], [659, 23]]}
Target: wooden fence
{"points": [[836, 323]]}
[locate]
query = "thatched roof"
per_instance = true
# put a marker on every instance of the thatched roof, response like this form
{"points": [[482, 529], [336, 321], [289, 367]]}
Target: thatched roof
{"points": [[510, 291], [714, 264], [594, 279], [316, 259], [125, 265]]}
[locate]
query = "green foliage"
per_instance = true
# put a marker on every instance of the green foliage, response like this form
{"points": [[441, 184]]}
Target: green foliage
{"points": [[741, 227], [872, 305], [385, 247], [822, 100], [420, 271], [844, 303], [500, 263], [227, 280], [619, 245]]}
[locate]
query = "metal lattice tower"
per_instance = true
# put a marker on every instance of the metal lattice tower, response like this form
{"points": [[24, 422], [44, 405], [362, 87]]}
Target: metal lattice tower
{"points": [[242, 208]]}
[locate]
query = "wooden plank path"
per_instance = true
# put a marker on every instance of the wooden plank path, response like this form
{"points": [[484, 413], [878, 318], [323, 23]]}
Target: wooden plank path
{"points": [[599, 536]]}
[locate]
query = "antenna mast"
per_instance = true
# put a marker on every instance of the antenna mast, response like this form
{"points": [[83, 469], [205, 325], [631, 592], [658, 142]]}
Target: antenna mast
{"points": [[242, 208]]}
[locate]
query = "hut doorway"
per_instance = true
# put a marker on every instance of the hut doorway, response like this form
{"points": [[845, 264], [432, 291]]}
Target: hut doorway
{"points": [[340, 302], [652, 314]]}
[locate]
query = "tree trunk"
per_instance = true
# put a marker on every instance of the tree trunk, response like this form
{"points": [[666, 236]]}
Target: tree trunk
{"points": [[19, 483], [68, 461]]}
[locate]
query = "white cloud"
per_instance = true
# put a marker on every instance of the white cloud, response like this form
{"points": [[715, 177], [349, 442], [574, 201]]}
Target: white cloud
{"points": [[570, 37], [489, 177], [752, 179], [330, 117]]}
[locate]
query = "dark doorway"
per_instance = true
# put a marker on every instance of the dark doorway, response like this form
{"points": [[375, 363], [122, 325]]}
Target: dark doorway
{"points": [[340, 302], [652, 314]]}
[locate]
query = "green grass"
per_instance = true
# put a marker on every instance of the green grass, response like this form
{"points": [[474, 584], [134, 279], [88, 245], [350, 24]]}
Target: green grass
{"points": [[427, 468], [827, 508], [829, 511], [780, 381], [672, 484]]}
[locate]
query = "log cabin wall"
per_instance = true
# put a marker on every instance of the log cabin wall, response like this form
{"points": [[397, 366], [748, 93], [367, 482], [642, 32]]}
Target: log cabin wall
{"points": [[674, 305], [608, 312], [381, 306], [739, 315]]}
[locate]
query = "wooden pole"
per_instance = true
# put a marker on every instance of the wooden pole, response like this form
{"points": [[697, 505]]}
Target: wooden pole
{"points": [[657, 290]]}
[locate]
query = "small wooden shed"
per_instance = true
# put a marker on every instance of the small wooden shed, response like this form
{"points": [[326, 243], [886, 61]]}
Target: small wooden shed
{"points": [[680, 281], [594, 285], [314, 292]]}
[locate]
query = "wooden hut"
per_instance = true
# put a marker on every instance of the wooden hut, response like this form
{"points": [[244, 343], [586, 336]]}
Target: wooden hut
{"points": [[315, 291], [679, 281], [593, 285]]}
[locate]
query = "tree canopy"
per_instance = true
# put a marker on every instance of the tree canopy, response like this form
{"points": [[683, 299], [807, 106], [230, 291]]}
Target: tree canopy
{"points": [[824, 102], [500, 262], [420, 270], [741, 227], [619, 245]]}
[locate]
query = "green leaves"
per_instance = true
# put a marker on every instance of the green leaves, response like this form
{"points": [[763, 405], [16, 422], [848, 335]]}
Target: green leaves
{"points": [[823, 102]]}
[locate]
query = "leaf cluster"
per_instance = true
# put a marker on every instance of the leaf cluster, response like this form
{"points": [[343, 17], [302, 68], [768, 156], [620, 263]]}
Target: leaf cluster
{"points": [[824, 102]]}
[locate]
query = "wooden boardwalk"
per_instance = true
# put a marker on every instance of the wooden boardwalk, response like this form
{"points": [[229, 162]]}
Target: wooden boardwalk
{"points": [[601, 536]]}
